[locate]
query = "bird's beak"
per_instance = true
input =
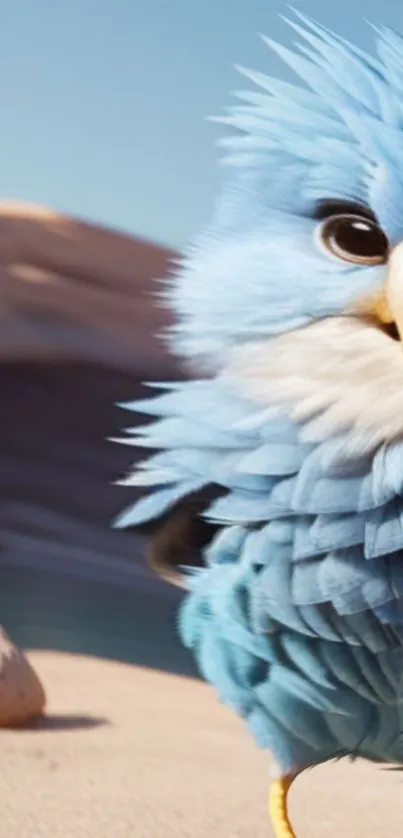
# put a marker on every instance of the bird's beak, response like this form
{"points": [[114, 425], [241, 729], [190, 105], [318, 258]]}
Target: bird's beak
{"points": [[394, 289], [386, 307]]}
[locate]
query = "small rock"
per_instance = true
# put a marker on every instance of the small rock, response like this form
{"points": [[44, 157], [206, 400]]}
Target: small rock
{"points": [[22, 697]]}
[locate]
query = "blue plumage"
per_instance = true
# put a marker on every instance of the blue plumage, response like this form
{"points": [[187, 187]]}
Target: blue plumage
{"points": [[286, 620], [297, 618]]}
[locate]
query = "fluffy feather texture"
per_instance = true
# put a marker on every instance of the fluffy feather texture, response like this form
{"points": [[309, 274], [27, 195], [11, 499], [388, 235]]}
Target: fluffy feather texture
{"points": [[297, 618], [336, 376], [255, 272], [305, 581]]}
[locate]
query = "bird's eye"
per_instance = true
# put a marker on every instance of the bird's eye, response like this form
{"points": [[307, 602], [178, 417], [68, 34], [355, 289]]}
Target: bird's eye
{"points": [[354, 239]]}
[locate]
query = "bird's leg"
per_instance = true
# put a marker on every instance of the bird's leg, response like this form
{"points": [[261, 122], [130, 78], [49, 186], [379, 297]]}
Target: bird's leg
{"points": [[278, 809]]}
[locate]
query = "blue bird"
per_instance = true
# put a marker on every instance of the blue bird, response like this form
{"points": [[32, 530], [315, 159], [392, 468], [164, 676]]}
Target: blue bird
{"points": [[277, 468]]}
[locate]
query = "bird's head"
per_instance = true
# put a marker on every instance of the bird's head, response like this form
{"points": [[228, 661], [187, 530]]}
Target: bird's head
{"points": [[297, 285]]}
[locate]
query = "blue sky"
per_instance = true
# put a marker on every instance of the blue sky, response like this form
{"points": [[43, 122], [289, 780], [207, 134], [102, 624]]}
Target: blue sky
{"points": [[103, 104]]}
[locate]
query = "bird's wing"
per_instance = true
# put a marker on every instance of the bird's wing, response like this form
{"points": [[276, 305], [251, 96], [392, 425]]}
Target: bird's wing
{"points": [[329, 533]]}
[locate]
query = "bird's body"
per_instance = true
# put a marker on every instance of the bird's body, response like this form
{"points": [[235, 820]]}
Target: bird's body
{"points": [[292, 303], [295, 628]]}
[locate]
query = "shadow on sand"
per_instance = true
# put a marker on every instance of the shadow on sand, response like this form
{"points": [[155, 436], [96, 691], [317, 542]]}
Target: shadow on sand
{"points": [[63, 722]]}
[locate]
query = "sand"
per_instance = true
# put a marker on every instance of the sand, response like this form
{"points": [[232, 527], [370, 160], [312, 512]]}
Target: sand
{"points": [[132, 752]]}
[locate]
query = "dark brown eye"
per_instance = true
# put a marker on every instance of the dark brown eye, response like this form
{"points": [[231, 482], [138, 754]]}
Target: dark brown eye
{"points": [[354, 239]]}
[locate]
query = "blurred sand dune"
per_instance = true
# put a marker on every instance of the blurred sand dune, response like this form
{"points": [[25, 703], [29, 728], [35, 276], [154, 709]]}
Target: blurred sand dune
{"points": [[78, 325], [76, 291], [78, 321]]}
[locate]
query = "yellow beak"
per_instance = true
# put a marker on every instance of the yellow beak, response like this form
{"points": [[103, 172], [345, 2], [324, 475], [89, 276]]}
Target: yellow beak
{"points": [[394, 288], [387, 306]]}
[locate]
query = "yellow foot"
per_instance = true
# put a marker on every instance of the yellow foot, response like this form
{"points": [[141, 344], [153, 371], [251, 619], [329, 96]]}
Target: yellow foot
{"points": [[278, 809]]}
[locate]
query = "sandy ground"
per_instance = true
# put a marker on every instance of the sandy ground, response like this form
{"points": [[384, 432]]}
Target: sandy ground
{"points": [[137, 746], [131, 752]]}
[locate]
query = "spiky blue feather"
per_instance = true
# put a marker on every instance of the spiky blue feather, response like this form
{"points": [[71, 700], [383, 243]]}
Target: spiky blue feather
{"points": [[305, 583], [342, 137], [298, 617]]}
